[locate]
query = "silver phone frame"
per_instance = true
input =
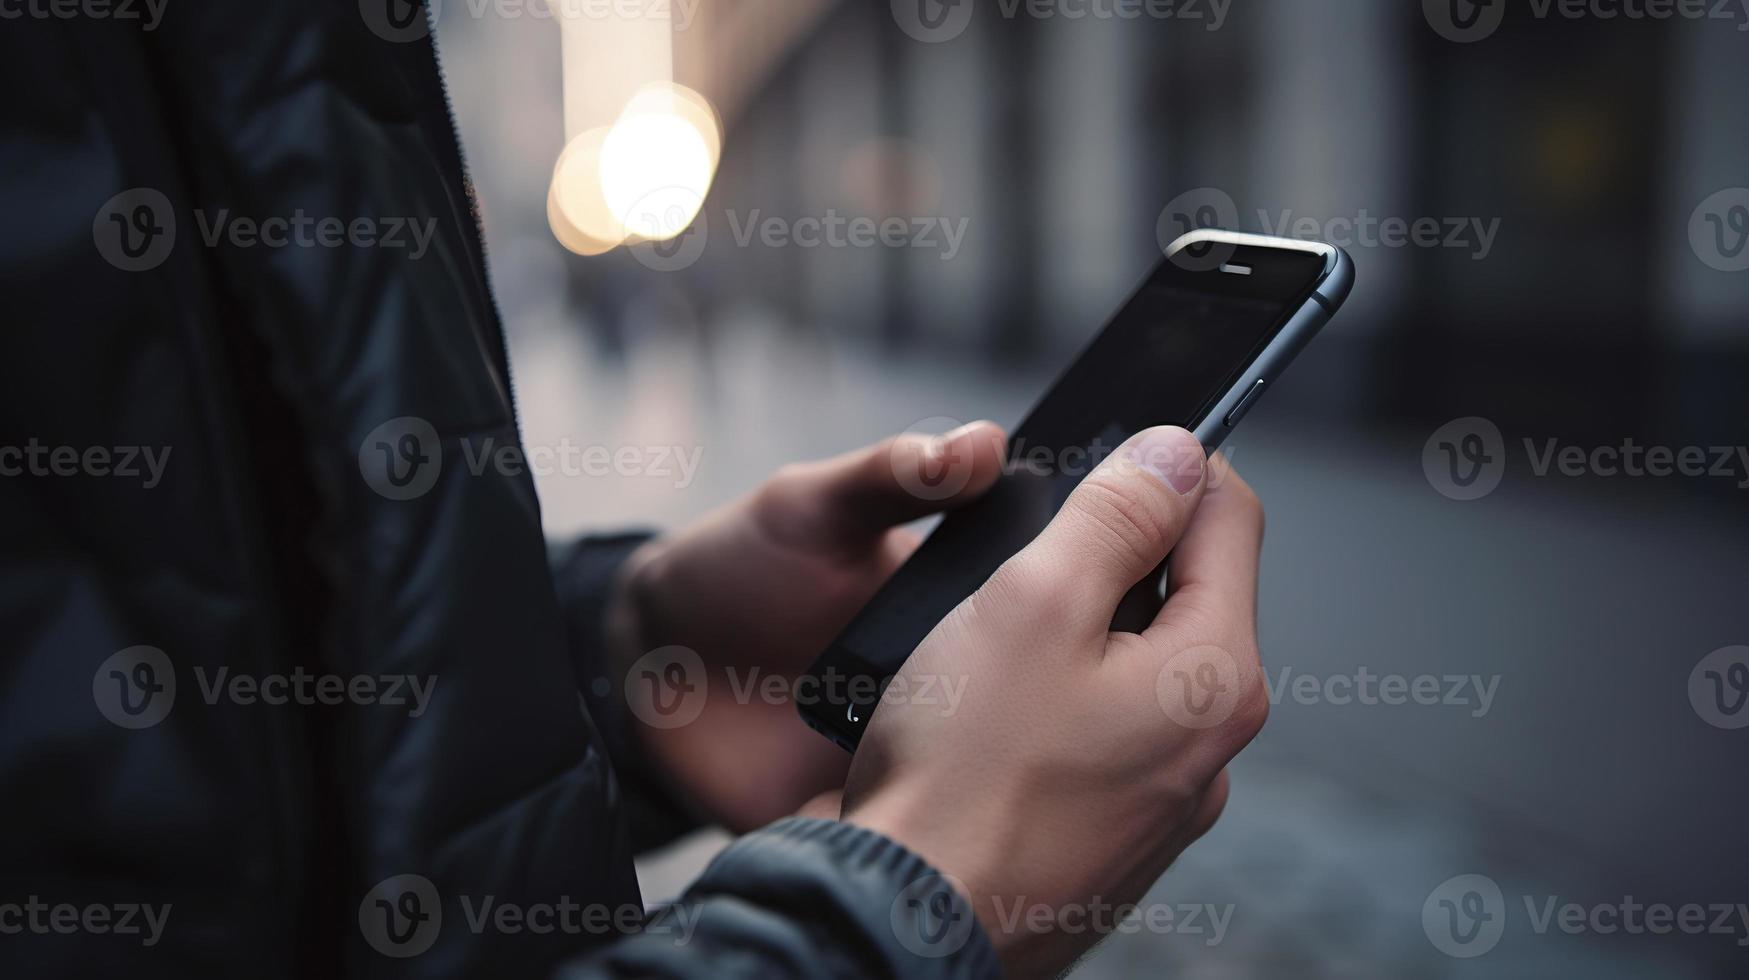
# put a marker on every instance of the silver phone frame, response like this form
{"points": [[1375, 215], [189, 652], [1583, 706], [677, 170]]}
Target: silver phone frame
{"points": [[1303, 324]]}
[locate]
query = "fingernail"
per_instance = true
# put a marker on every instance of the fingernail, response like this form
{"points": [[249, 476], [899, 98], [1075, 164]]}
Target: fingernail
{"points": [[1173, 455], [947, 446]]}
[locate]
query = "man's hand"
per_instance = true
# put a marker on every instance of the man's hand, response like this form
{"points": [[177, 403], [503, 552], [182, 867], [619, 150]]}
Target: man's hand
{"points": [[1081, 761], [760, 587]]}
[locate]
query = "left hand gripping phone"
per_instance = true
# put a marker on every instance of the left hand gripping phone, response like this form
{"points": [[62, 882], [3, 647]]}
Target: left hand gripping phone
{"points": [[1210, 330]]}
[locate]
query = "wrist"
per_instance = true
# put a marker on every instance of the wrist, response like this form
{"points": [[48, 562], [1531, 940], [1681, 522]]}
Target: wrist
{"points": [[976, 851], [898, 813], [627, 612]]}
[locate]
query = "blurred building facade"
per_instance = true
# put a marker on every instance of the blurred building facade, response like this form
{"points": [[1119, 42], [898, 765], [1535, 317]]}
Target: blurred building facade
{"points": [[1561, 161]]}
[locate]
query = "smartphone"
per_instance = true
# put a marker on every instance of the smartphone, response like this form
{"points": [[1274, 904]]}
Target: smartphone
{"points": [[1208, 333]]}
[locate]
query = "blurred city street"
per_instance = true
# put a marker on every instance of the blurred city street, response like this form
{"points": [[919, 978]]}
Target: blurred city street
{"points": [[1565, 612]]}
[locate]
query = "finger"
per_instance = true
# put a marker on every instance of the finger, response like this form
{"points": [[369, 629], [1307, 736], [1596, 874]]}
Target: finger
{"points": [[852, 499], [1212, 574], [1117, 526], [898, 547], [1207, 630], [825, 806]]}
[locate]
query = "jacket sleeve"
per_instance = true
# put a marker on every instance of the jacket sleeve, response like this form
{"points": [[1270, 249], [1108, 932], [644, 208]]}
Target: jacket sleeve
{"points": [[807, 898], [801, 898], [583, 575]]}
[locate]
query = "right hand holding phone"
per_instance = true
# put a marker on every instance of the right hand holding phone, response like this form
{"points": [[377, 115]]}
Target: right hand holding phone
{"points": [[1079, 762]]}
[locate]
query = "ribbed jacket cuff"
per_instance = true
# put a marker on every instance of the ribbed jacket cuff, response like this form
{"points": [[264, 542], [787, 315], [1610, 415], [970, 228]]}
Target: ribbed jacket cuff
{"points": [[866, 889], [584, 575]]}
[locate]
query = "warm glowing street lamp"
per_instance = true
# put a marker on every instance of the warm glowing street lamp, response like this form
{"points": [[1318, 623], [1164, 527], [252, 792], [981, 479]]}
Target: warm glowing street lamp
{"points": [[640, 150]]}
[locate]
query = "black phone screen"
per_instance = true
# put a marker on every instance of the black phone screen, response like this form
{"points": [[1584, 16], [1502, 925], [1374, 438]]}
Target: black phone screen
{"points": [[1166, 358]]}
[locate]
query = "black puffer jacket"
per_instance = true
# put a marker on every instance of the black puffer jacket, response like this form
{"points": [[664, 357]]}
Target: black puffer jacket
{"points": [[223, 497]]}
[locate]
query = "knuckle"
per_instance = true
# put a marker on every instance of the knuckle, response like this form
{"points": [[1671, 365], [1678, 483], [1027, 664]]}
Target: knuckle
{"points": [[1250, 505], [1128, 518], [1024, 584], [779, 497], [1176, 792], [1238, 496], [1197, 610], [1252, 710], [784, 492], [1203, 822], [900, 452], [1244, 494]]}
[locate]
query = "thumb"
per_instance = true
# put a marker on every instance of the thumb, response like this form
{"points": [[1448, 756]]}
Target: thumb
{"points": [[853, 499], [1120, 522]]}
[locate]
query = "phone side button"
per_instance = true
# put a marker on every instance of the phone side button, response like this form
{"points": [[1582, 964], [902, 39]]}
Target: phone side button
{"points": [[1245, 404]]}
